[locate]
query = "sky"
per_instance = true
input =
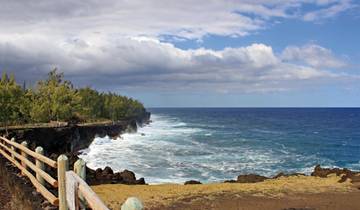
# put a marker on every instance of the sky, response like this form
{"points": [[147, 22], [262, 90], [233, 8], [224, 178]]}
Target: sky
{"points": [[204, 53]]}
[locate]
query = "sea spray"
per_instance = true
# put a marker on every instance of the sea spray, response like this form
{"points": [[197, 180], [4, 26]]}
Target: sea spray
{"points": [[217, 144]]}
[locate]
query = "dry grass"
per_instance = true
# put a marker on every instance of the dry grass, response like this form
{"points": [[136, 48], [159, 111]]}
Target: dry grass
{"points": [[152, 195]]}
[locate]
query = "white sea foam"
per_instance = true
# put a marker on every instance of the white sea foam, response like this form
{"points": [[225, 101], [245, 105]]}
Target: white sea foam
{"points": [[167, 150], [151, 148]]}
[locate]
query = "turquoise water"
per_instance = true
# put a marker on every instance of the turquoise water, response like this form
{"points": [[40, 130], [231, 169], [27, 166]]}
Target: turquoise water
{"points": [[214, 144]]}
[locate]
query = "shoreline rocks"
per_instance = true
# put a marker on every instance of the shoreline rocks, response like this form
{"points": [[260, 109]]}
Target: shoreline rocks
{"points": [[345, 174], [107, 176], [250, 178], [281, 174], [192, 182]]}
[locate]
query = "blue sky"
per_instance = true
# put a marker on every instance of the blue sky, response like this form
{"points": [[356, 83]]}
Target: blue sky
{"points": [[341, 34], [236, 53]]}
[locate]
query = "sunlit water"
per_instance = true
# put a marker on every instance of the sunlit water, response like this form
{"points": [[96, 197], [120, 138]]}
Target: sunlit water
{"points": [[217, 144]]}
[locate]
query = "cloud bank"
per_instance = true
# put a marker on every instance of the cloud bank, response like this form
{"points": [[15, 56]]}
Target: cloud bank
{"points": [[188, 19], [141, 62], [116, 44]]}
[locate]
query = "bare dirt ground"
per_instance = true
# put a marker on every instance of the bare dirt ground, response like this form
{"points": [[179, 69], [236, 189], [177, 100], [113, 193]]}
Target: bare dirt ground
{"points": [[4, 197], [299, 192], [228, 201]]}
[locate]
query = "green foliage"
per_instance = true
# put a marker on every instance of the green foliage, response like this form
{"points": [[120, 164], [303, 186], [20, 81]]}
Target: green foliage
{"points": [[55, 99], [25, 105], [120, 107], [10, 96], [91, 103]]}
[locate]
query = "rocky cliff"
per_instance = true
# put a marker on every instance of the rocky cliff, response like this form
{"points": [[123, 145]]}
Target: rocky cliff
{"points": [[72, 138]]}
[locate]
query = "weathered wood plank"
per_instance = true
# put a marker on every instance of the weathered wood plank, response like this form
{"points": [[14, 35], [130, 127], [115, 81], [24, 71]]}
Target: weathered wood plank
{"points": [[80, 170], [41, 189], [33, 167], [24, 144], [42, 158], [40, 165], [63, 166], [72, 192], [90, 196], [12, 147]]}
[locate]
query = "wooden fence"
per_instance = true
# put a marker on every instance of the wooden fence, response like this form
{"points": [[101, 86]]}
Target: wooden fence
{"points": [[73, 192]]}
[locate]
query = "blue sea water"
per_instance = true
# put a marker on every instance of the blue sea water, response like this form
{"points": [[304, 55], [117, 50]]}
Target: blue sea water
{"points": [[214, 144]]}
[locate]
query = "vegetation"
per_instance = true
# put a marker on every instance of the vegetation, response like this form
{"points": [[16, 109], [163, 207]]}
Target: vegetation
{"points": [[56, 99]]}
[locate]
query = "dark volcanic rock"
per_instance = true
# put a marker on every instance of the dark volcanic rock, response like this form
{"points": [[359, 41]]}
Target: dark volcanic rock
{"points": [[70, 138], [281, 174], [192, 182], [98, 173], [140, 181], [318, 171], [107, 176], [346, 173], [250, 178], [128, 176], [324, 172], [230, 181], [107, 171]]}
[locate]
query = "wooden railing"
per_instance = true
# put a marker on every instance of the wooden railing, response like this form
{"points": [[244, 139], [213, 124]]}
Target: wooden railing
{"points": [[73, 191], [79, 194], [9, 150]]}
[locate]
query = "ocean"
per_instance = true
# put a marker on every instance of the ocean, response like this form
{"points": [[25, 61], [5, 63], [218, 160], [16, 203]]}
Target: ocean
{"points": [[215, 144]]}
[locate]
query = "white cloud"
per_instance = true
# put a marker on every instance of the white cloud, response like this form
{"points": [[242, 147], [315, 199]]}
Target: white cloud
{"points": [[313, 55], [117, 43], [140, 62], [184, 19], [330, 11]]}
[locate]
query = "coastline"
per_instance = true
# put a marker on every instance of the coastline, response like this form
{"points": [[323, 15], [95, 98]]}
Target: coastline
{"points": [[71, 138], [247, 189]]}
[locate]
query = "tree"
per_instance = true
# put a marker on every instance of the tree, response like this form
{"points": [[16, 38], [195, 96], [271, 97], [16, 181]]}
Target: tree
{"points": [[54, 99], [10, 95], [91, 103], [25, 103]]}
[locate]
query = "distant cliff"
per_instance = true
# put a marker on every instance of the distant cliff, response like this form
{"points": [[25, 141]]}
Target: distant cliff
{"points": [[72, 138]]}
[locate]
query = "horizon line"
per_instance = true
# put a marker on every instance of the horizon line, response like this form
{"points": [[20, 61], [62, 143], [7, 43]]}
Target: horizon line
{"points": [[257, 107]]}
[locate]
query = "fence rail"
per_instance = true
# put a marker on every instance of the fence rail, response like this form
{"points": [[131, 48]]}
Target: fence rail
{"points": [[79, 193], [21, 162], [72, 197], [35, 155]]}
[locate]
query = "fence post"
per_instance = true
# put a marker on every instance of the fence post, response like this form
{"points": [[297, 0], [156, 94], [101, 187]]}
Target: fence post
{"points": [[63, 165], [80, 170], [24, 144], [40, 165], [13, 148]]}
